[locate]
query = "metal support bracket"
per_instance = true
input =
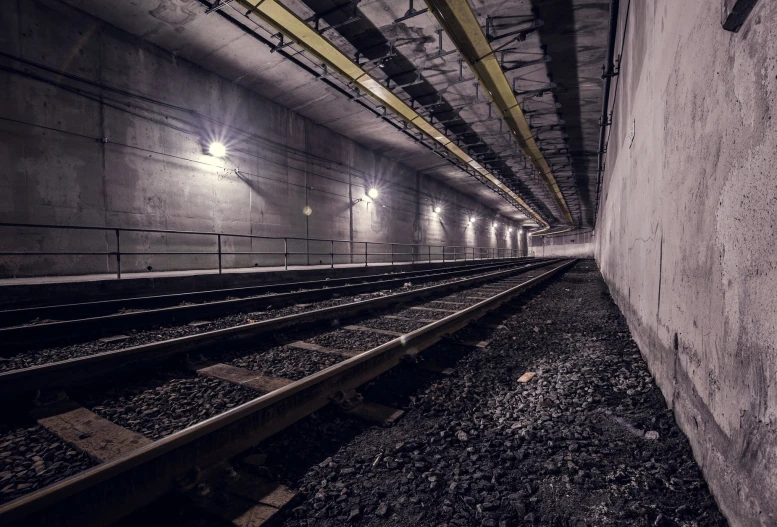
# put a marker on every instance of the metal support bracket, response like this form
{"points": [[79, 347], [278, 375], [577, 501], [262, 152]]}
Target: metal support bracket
{"points": [[410, 13], [520, 33], [537, 92], [391, 54], [281, 44]]}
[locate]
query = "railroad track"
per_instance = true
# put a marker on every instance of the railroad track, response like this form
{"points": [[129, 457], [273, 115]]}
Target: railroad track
{"points": [[30, 328], [137, 476], [76, 367]]}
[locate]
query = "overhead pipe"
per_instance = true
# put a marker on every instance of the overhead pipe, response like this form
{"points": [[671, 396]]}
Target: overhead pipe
{"points": [[607, 76], [286, 22]]}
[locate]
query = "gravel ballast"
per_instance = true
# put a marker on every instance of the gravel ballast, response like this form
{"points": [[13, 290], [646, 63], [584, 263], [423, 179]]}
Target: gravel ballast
{"points": [[162, 405], [389, 324], [588, 441], [31, 457], [351, 340], [285, 362]]}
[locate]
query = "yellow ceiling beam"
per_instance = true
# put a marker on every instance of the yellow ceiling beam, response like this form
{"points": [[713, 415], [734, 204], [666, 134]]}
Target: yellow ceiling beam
{"points": [[292, 27], [460, 23]]}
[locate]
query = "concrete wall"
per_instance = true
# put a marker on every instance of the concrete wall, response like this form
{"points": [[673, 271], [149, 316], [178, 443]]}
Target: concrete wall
{"points": [[687, 233], [573, 246], [152, 170]]}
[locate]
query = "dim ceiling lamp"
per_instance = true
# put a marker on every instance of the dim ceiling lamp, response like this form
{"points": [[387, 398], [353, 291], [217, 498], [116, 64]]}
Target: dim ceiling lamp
{"points": [[437, 210], [510, 229], [217, 149], [494, 225], [373, 193]]}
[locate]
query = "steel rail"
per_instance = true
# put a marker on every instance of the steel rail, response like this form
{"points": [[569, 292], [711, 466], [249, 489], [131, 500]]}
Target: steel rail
{"points": [[111, 490], [462, 27], [284, 20], [62, 312], [80, 370], [27, 337]]}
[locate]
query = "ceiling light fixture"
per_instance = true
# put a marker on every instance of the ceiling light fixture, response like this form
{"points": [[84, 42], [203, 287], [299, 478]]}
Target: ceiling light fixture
{"points": [[373, 193]]}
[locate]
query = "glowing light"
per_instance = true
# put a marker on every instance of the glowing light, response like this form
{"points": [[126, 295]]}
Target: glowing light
{"points": [[494, 225], [217, 149], [471, 219], [437, 210], [510, 229], [307, 211], [373, 193]]}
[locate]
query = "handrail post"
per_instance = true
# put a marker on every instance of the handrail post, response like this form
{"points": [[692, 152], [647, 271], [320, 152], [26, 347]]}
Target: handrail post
{"points": [[443, 253], [392, 255], [118, 256], [365, 253], [412, 255], [286, 254], [332, 255], [219, 240], [430, 253]]}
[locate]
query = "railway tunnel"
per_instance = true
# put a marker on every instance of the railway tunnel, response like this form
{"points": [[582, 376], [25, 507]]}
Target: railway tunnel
{"points": [[388, 262]]}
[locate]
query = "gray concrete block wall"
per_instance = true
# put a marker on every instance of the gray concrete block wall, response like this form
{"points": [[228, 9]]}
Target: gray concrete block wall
{"points": [[687, 233], [153, 171], [572, 245]]}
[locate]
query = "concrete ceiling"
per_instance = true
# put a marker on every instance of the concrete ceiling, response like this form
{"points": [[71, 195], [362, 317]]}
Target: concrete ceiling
{"points": [[571, 35]]}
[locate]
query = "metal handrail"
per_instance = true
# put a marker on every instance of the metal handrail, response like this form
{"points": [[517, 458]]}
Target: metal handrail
{"points": [[470, 252]]}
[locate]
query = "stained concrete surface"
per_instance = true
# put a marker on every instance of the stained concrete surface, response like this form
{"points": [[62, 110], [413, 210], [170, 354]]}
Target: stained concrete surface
{"points": [[686, 233], [184, 30], [572, 245], [151, 171]]}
